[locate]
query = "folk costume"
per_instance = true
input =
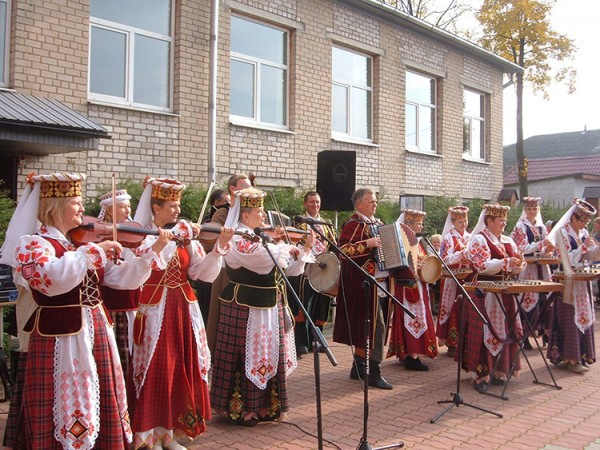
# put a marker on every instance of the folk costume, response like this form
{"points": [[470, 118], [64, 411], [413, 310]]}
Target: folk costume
{"points": [[255, 350], [73, 392], [530, 238], [484, 344], [573, 316], [122, 303], [316, 304], [349, 326], [411, 337], [454, 254], [171, 359]]}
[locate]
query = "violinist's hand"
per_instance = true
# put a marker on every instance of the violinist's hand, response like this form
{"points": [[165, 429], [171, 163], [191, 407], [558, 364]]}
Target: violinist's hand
{"points": [[225, 236], [111, 248], [164, 237], [310, 241], [195, 230], [374, 242]]}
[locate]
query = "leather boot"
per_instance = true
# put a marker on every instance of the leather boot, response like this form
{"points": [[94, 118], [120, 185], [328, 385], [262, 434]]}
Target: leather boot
{"points": [[358, 368], [375, 378]]}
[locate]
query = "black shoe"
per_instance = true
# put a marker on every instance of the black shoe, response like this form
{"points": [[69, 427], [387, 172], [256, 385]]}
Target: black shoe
{"points": [[301, 351], [481, 387], [497, 381], [451, 352], [415, 364], [357, 367], [527, 344], [379, 382]]}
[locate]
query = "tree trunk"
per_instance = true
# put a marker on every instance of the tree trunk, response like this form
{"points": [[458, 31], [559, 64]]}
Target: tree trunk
{"points": [[520, 148]]}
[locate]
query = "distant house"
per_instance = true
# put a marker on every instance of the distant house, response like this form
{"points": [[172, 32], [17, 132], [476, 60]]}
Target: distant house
{"points": [[508, 196], [558, 145], [559, 180]]}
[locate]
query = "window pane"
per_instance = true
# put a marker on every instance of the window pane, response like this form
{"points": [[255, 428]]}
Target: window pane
{"points": [[258, 40], [242, 89], [411, 125], [478, 141], [272, 95], [339, 109], [151, 15], [151, 72], [360, 114], [351, 67], [107, 62], [473, 104], [467, 135], [426, 120], [420, 89], [3, 31]]}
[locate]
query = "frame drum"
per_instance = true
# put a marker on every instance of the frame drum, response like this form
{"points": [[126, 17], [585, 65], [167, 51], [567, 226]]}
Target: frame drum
{"points": [[324, 274], [431, 269]]}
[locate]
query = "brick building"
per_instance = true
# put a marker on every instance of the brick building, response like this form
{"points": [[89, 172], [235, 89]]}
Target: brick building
{"points": [[419, 107]]}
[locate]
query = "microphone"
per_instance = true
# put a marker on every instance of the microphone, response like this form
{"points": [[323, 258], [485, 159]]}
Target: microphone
{"points": [[310, 221], [422, 234], [264, 236]]}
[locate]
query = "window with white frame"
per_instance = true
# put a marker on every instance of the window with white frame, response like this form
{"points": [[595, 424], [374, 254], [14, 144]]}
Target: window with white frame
{"points": [[4, 41], [131, 52], [420, 117], [259, 73], [351, 95], [474, 125]]}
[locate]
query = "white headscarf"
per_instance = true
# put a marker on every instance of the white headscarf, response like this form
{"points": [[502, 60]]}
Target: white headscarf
{"points": [[106, 200], [24, 220]]}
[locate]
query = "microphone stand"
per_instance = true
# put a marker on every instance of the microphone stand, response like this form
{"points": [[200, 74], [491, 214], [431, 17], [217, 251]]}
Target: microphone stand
{"points": [[318, 337], [457, 399], [368, 284]]}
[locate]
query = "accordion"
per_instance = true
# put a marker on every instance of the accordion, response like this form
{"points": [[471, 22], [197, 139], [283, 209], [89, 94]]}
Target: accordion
{"points": [[395, 246]]}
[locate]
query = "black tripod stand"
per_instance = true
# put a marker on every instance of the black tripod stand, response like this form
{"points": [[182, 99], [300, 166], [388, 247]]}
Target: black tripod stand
{"points": [[318, 337], [368, 285], [457, 399]]}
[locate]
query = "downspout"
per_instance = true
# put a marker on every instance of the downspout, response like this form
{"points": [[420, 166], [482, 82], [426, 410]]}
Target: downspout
{"points": [[212, 100]]}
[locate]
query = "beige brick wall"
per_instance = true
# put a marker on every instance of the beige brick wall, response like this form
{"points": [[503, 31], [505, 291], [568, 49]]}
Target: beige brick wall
{"points": [[50, 58]]}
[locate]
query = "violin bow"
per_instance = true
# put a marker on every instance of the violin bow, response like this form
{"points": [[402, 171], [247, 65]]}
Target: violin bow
{"points": [[114, 208], [114, 214], [285, 232], [203, 210]]}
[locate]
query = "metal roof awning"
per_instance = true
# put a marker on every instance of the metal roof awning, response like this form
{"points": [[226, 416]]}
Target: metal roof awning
{"points": [[43, 126]]}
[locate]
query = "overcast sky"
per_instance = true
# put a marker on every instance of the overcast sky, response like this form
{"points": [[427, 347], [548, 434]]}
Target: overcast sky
{"points": [[580, 21]]}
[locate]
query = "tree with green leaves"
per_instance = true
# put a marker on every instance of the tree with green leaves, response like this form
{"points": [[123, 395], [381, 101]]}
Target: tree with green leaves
{"points": [[520, 31]]}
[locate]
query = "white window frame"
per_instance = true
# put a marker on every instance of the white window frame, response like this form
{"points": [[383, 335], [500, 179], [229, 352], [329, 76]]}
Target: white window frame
{"points": [[4, 82], [257, 63], [418, 105], [349, 87], [471, 153], [130, 33]]}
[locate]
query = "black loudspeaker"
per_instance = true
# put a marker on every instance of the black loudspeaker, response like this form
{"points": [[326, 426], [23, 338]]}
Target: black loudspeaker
{"points": [[336, 179]]}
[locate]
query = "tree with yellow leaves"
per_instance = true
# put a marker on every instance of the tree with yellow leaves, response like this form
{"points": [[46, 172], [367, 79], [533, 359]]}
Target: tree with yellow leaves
{"points": [[519, 30]]}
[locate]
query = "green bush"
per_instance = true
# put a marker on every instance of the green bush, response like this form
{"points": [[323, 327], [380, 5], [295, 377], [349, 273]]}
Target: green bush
{"points": [[7, 208]]}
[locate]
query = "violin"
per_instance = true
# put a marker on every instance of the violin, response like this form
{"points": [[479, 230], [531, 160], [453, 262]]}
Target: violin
{"points": [[129, 234], [289, 234]]}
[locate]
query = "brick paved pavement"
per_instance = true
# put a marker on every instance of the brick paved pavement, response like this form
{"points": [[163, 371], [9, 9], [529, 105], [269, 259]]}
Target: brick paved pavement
{"points": [[534, 417]]}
